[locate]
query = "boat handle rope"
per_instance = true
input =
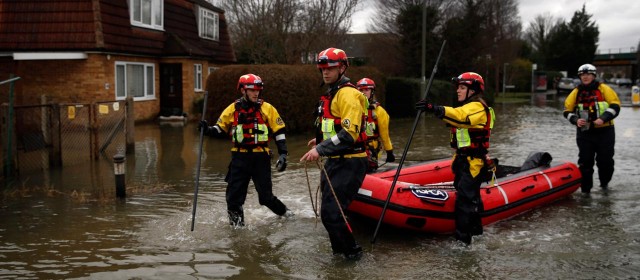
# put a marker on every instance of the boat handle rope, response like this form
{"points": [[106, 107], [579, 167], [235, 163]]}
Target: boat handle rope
{"points": [[426, 187], [491, 186], [493, 176]]}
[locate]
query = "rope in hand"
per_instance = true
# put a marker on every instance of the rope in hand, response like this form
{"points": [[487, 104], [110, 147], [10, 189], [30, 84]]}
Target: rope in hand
{"points": [[313, 205], [335, 197]]}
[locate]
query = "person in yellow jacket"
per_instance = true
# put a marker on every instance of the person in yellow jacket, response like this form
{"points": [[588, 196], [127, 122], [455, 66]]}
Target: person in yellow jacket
{"points": [[591, 107], [471, 125], [377, 128], [341, 138], [250, 123]]}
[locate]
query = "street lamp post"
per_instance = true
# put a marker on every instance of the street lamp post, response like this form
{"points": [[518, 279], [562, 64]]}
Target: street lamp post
{"points": [[533, 68], [504, 77]]}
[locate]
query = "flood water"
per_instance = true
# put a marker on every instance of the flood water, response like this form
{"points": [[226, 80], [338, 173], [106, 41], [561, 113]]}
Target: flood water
{"points": [[148, 236]]}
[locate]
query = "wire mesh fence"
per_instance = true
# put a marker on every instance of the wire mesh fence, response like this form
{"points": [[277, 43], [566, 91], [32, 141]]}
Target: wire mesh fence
{"points": [[75, 133], [33, 137], [111, 132], [50, 135]]}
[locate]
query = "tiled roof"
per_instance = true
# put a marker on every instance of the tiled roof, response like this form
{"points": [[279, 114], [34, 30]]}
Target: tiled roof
{"points": [[104, 25], [46, 25]]}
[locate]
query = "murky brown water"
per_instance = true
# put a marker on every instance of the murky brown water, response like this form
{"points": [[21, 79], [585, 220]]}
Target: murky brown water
{"points": [[148, 236]]}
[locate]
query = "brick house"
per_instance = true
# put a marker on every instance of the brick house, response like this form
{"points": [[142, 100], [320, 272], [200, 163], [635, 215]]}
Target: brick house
{"points": [[75, 51]]}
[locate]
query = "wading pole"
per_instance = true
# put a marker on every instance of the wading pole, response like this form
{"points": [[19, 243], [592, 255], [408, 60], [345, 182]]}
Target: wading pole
{"points": [[406, 148], [195, 192]]}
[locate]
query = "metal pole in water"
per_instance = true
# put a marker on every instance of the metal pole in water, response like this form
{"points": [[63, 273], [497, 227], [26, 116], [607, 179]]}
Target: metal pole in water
{"points": [[9, 168], [119, 170]]}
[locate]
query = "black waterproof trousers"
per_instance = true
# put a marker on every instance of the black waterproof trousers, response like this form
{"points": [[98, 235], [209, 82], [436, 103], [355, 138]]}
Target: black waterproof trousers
{"points": [[346, 176], [468, 202], [243, 167], [596, 145]]}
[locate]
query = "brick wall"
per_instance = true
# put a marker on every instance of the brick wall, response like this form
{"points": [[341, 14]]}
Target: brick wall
{"points": [[93, 79]]}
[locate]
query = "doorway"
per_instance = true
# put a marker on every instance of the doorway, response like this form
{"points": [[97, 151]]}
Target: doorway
{"points": [[171, 90]]}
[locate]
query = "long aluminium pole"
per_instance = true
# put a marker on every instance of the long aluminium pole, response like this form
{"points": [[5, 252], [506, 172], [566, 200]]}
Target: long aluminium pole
{"points": [[406, 148], [195, 192]]}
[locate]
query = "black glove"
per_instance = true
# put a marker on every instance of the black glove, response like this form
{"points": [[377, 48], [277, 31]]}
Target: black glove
{"points": [[425, 105], [203, 125], [574, 120], [281, 164], [390, 157]]}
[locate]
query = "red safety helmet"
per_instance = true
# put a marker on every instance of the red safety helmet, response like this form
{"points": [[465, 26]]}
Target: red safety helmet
{"points": [[471, 79], [250, 81], [366, 83], [331, 57]]}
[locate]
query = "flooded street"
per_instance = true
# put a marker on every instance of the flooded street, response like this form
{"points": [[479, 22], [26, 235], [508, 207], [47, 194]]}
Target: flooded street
{"points": [[148, 236]]}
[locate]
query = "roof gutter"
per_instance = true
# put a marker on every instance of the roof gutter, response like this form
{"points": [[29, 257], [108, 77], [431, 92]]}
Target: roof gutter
{"points": [[49, 55]]}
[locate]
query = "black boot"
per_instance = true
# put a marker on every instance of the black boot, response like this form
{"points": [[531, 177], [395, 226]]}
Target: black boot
{"points": [[354, 253], [276, 206], [477, 230], [236, 218], [464, 237]]}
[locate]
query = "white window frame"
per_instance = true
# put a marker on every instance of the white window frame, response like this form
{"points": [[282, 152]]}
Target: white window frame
{"points": [[197, 77], [122, 85], [208, 18], [154, 9]]}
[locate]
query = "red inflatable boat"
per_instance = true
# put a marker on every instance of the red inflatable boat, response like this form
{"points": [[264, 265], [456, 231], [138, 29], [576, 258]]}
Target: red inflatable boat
{"points": [[423, 198]]}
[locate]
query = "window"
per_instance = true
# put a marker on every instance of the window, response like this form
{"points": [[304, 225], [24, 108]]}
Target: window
{"points": [[136, 80], [197, 76], [208, 24], [147, 13]]}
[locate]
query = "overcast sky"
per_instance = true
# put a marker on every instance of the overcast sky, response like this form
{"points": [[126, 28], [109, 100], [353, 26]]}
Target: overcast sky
{"points": [[618, 20]]}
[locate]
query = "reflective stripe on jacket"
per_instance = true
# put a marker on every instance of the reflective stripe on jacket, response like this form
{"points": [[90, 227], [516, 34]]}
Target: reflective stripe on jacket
{"points": [[471, 126]]}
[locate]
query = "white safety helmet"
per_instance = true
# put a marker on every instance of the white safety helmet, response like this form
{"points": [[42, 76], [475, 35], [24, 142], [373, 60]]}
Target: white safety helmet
{"points": [[587, 69]]}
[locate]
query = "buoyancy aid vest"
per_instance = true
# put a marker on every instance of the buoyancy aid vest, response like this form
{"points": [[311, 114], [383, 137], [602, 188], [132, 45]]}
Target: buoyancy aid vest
{"points": [[329, 125], [591, 101], [473, 141], [371, 128], [249, 129]]}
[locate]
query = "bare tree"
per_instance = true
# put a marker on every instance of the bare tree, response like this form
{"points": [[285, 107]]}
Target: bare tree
{"points": [[388, 11], [502, 32], [396, 48], [537, 35], [538, 30], [286, 31]]}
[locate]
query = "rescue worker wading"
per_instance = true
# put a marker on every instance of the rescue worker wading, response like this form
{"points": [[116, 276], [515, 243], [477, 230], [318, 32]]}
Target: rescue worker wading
{"points": [[250, 122], [377, 128], [340, 138], [591, 107], [471, 126]]}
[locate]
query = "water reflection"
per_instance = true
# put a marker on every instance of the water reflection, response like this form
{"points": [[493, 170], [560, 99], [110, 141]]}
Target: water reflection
{"points": [[148, 235]]}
